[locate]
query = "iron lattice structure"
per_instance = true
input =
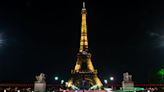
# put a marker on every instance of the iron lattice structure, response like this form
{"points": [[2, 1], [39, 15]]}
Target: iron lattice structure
{"points": [[84, 75]]}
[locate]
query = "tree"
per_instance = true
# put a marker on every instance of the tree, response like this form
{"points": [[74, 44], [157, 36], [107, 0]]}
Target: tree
{"points": [[161, 73]]}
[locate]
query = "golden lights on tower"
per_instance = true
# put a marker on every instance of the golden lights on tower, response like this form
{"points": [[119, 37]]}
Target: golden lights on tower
{"points": [[83, 52]]}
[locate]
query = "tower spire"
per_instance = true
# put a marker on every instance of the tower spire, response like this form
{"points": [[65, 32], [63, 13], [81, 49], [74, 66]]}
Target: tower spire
{"points": [[83, 39], [83, 4]]}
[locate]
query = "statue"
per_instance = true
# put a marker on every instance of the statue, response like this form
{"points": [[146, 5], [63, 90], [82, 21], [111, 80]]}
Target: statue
{"points": [[130, 77], [40, 84], [127, 83], [41, 78], [127, 77]]}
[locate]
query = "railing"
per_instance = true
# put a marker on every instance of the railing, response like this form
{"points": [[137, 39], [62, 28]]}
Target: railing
{"points": [[53, 85], [58, 87]]}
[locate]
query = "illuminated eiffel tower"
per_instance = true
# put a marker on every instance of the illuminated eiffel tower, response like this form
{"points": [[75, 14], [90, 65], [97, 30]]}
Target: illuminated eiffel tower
{"points": [[84, 75]]}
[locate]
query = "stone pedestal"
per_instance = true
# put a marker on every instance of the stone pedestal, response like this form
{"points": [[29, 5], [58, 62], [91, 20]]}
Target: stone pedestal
{"points": [[127, 86], [40, 87], [127, 83]]}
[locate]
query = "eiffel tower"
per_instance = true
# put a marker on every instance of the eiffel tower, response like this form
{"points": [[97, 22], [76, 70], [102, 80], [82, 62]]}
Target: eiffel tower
{"points": [[84, 76]]}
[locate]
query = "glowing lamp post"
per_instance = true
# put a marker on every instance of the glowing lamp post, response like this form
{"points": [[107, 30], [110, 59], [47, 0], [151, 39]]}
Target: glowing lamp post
{"points": [[111, 78], [62, 82], [56, 78], [105, 81]]}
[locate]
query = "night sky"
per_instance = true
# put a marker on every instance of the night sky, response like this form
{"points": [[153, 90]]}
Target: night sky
{"points": [[43, 36]]}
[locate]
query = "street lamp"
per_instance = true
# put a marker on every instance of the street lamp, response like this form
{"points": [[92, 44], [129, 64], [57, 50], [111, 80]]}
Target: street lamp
{"points": [[105, 81], [56, 78], [62, 81], [111, 78], [66, 83]]}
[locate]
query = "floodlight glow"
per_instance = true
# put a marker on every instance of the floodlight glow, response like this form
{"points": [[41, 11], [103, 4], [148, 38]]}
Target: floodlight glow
{"points": [[62, 81], [66, 83], [111, 78], [56, 78], [105, 81]]}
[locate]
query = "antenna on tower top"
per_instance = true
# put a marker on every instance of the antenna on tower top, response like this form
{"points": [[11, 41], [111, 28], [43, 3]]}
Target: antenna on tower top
{"points": [[83, 4]]}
